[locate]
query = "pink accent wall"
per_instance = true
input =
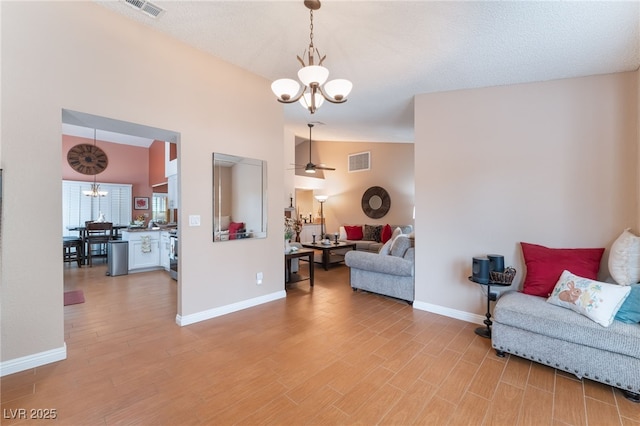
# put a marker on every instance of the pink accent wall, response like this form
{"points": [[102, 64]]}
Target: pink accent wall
{"points": [[156, 163], [127, 164]]}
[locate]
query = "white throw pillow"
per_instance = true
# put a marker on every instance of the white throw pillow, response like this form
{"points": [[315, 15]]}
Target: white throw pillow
{"points": [[595, 300], [386, 248], [624, 259], [343, 233]]}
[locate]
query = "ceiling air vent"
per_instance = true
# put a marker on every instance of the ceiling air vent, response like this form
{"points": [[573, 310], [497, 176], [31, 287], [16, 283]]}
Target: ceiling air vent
{"points": [[146, 6], [359, 162]]}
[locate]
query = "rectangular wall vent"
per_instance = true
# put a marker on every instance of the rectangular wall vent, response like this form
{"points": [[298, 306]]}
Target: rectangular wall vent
{"points": [[359, 162], [147, 7]]}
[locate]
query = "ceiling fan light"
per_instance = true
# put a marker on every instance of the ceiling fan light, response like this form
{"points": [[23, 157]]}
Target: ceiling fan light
{"points": [[309, 170], [313, 74], [285, 88], [305, 100], [338, 89]]}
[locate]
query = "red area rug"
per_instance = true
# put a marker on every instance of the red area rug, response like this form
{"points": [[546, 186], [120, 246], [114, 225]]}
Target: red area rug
{"points": [[73, 297]]}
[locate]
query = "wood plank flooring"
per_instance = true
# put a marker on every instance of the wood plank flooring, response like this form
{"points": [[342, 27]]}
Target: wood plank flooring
{"points": [[324, 355]]}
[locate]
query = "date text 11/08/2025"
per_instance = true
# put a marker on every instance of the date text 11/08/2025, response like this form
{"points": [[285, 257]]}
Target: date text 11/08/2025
{"points": [[31, 413]]}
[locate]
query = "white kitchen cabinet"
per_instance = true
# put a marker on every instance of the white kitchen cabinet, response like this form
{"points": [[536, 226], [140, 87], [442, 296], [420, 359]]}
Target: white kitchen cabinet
{"points": [[172, 191], [170, 165], [308, 231], [165, 249], [144, 250]]}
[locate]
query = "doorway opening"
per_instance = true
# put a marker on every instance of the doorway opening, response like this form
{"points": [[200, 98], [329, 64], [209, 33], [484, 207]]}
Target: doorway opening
{"points": [[127, 191]]}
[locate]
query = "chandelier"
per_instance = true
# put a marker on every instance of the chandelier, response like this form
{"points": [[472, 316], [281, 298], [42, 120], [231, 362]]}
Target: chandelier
{"points": [[313, 77], [95, 187], [95, 190]]}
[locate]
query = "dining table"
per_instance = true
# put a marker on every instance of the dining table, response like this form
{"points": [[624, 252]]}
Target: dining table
{"points": [[83, 229], [82, 233]]}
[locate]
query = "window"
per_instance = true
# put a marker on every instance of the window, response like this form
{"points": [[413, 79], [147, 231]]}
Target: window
{"points": [[159, 208], [78, 208]]}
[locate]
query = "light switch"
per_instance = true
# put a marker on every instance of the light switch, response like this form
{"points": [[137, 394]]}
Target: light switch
{"points": [[194, 220]]}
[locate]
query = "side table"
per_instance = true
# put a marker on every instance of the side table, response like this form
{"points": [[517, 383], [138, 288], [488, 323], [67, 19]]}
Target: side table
{"points": [[294, 254], [486, 331]]}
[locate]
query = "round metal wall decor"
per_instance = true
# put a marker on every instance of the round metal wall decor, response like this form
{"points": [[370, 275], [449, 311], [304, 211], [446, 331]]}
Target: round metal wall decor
{"points": [[87, 159], [376, 202]]}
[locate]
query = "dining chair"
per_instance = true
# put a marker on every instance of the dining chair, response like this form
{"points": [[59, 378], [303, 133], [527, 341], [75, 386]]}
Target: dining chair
{"points": [[73, 250], [97, 233]]}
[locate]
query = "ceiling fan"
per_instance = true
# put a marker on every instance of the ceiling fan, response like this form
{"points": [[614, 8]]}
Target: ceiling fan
{"points": [[310, 167]]}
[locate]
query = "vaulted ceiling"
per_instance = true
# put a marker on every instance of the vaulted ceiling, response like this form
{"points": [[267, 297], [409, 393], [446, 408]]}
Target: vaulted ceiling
{"points": [[393, 50]]}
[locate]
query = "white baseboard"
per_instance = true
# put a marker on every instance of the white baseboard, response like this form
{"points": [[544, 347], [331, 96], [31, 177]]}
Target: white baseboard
{"points": [[32, 361], [449, 312], [227, 309]]}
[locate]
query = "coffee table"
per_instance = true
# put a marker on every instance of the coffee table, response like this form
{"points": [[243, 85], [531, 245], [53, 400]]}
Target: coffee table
{"points": [[326, 251]]}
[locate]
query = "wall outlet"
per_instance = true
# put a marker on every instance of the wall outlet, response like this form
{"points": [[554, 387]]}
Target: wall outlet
{"points": [[259, 278]]}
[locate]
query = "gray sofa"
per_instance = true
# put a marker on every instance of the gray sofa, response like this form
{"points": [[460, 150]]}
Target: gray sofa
{"points": [[387, 274], [371, 245], [531, 328]]}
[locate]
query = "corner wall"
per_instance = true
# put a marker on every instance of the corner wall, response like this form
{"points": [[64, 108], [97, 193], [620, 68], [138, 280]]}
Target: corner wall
{"points": [[80, 56], [552, 163]]}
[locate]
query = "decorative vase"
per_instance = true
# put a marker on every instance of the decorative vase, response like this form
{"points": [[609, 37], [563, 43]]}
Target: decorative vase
{"points": [[297, 236], [287, 246]]}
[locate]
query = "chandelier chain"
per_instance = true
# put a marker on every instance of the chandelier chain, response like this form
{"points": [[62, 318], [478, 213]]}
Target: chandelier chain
{"points": [[311, 29]]}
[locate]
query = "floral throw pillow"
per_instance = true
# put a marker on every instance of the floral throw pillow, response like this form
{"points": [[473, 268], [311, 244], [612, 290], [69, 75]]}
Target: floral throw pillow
{"points": [[596, 300]]}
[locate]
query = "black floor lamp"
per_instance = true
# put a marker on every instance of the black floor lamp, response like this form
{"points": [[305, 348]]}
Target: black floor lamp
{"points": [[321, 199]]}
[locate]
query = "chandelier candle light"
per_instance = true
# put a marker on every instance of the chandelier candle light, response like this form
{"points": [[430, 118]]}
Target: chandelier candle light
{"points": [[313, 78]]}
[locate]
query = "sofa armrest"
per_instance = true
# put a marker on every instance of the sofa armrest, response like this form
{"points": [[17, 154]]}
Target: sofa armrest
{"points": [[384, 264]]}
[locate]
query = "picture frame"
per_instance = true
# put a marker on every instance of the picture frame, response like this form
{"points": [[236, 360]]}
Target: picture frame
{"points": [[141, 203]]}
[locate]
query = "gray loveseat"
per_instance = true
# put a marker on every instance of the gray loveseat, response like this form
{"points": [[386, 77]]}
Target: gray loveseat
{"points": [[531, 328], [389, 274]]}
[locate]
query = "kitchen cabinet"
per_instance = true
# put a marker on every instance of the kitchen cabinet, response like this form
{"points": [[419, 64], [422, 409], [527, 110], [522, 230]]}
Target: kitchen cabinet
{"points": [[308, 231], [165, 249], [170, 159], [172, 194], [144, 250]]}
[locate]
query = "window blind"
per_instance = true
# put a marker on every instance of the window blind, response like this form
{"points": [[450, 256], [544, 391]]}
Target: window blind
{"points": [[78, 208]]}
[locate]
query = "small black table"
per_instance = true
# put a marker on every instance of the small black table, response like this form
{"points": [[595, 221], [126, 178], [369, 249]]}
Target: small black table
{"points": [[300, 253], [486, 331]]}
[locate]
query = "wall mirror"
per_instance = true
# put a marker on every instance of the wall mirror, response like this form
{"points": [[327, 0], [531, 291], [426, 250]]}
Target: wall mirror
{"points": [[239, 198]]}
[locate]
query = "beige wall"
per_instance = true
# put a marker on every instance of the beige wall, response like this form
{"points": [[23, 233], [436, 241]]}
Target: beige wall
{"points": [[551, 163], [79, 56], [392, 168]]}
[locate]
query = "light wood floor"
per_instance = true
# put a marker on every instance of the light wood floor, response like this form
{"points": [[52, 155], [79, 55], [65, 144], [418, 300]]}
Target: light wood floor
{"points": [[321, 356]]}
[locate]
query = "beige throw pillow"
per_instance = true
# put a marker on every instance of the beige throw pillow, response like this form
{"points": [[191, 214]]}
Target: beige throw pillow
{"points": [[624, 258]]}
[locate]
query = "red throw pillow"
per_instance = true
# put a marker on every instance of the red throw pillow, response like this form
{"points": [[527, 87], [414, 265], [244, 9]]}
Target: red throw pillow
{"points": [[234, 227], [386, 233], [545, 265], [353, 232]]}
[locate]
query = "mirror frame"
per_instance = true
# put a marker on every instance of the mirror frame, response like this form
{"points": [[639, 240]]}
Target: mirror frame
{"points": [[260, 182]]}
